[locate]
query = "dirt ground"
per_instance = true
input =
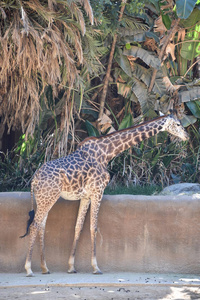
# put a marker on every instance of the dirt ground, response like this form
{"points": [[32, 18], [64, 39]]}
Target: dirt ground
{"points": [[129, 286], [104, 293]]}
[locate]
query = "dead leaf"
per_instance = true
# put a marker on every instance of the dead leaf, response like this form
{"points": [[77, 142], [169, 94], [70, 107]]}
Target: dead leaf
{"points": [[181, 34], [151, 44], [170, 49], [105, 122], [159, 26], [169, 86]]}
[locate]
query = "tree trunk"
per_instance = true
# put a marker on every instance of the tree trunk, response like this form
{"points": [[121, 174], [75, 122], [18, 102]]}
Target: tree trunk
{"points": [[106, 79]]}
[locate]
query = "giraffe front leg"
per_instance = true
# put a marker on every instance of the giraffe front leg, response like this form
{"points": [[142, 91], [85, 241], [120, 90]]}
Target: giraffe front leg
{"points": [[95, 204], [83, 208]]}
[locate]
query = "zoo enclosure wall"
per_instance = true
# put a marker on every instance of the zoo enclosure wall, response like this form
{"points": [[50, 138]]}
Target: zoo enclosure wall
{"points": [[135, 234]]}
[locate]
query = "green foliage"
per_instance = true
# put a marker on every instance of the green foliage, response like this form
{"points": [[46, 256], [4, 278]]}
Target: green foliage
{"points": [[184, 8], [157, 161], [105, 10], [166, 20], [191, 46], [194, 107], [60, 112], [148, 58], [133, 190], [137, 77], [92, 131], [16, 170], [126, 122]]}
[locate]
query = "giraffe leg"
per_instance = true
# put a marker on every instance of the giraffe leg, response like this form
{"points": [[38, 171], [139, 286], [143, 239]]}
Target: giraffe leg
{"points": [[94, 210], [44, 268], [33, 234], [37, 225], [83, 208]]}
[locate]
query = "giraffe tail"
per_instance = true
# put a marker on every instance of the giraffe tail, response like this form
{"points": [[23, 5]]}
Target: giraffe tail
{"points": [[31, 214]]}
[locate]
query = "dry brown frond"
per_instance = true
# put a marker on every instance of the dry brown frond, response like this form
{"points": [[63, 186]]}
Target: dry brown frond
{"points": [[3, 13], [88, 10], [40, 45]]}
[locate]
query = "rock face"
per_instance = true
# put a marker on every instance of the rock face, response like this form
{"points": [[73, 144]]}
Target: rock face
{"points": [[182, 189]]}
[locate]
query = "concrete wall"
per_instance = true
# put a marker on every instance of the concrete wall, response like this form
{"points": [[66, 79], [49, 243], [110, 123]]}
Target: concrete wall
{"points": [[135, 233]]}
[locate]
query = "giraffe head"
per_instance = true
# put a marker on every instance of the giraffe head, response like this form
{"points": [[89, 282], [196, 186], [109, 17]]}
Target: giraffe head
{"points": [[173, 126]]}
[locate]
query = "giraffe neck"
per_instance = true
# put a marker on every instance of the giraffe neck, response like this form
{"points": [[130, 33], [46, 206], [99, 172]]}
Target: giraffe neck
{"points": [[107, 147]]}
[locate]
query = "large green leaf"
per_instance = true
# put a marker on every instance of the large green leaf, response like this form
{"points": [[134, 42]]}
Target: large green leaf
{"points": [[156, 4], [188, 120], [190, 95], [191, 20], [147, 103], [191, 48], [145, 76], [124, 63], [184, 8], [148, 57], [152, 35], [138, 36], [126, 122], [141, 73], [166, 20], [194, 108], [92, 131]]}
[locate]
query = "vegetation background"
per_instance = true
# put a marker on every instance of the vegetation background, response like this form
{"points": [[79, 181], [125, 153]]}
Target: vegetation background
{"points": [[72, 69]]}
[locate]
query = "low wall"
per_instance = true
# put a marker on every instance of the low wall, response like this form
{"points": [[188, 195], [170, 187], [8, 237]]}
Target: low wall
{"points": [[135, 233]]}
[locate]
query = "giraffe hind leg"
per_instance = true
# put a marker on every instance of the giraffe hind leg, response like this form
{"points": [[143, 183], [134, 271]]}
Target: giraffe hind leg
{"points": [[44, 268], [38, 225], [33, 234]]}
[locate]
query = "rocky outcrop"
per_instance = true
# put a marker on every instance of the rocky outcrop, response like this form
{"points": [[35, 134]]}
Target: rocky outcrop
{"points": [[182, 189]]}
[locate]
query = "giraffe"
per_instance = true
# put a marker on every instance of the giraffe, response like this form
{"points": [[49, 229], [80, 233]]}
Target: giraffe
{"points": [[82, 175]]}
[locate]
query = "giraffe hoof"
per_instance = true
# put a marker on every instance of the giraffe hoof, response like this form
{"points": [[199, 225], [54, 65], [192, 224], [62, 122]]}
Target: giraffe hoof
{"points": [[30, 274], [46, 272], [97, 272], [72, 271]]}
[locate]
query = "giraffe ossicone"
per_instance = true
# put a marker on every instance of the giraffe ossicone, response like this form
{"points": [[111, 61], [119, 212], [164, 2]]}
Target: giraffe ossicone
{"points": [[82, 175]]}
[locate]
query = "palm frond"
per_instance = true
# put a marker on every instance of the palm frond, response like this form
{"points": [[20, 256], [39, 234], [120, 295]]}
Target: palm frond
{"points": [[40, 45]]}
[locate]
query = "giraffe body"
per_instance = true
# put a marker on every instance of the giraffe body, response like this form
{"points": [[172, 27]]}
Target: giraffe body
{"points": [[82, 176], [73, 177]]}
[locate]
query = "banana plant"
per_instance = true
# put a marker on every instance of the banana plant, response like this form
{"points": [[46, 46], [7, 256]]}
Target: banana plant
{"points": [[133, 76], [137, 59]]}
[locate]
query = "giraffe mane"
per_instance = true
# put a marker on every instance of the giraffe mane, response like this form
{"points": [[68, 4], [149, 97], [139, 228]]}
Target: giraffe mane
{"points": [[87, 139], [121, 130]]}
